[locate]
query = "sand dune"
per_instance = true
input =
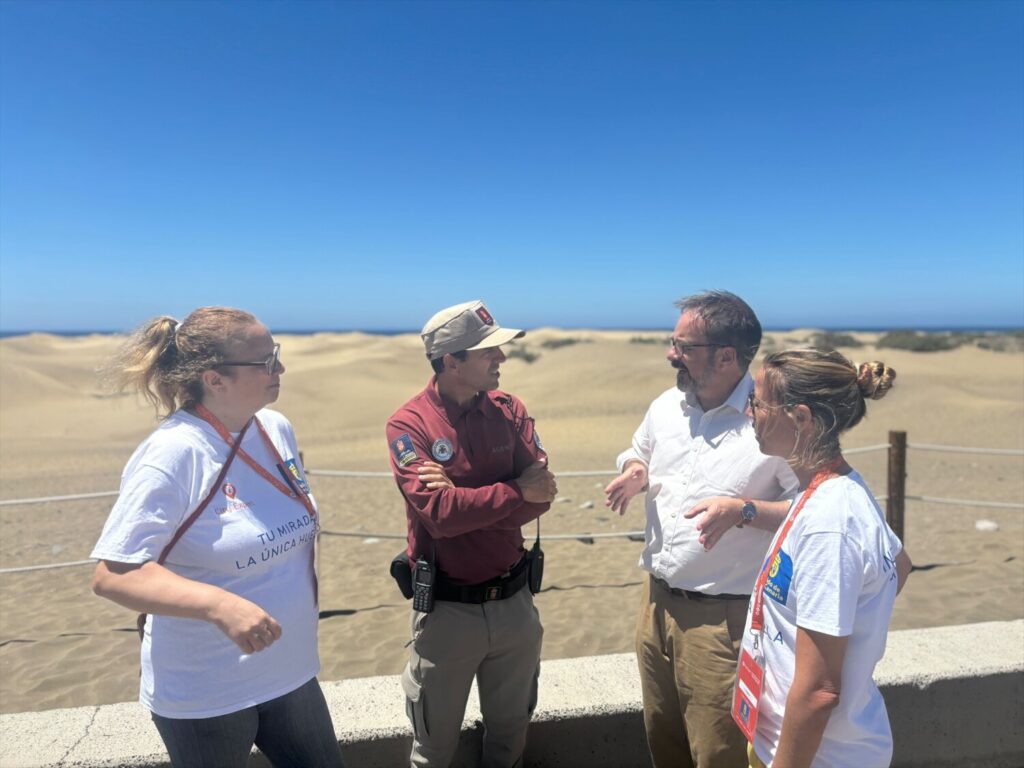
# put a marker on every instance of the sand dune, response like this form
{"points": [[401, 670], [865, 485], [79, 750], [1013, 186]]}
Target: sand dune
{"points": [[59, 434]]}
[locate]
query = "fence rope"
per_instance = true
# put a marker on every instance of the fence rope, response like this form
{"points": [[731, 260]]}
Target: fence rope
{"points": [[353, 473], [585, 537], [966, 503], [47, 567], [866, 449], [350, 473], [582, 537], [364, 535], [45, 499], [579, 473], [346, 473], [546, 537], [964, 449]]}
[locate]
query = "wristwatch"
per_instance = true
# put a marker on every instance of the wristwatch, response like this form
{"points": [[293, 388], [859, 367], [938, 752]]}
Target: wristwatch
{"points": [[747, 513]]}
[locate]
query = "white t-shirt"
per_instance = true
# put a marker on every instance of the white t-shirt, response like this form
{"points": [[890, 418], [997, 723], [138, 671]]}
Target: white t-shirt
{"points": [[836, 574], [690, 455], [251, 540]]}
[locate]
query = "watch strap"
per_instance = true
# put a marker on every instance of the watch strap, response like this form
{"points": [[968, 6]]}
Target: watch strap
{"points": [[747, 513]]}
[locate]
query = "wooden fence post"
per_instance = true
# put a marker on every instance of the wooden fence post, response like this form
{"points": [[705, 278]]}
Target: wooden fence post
{"points": [[896, 502]]}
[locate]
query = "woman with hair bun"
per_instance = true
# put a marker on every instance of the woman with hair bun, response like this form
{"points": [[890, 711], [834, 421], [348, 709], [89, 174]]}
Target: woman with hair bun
{"points": [[212, 535], [821, 606]]}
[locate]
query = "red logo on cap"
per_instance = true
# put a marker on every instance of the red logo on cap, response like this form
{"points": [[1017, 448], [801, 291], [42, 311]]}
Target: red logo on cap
{"points": [[229, 490], [485, 316]]}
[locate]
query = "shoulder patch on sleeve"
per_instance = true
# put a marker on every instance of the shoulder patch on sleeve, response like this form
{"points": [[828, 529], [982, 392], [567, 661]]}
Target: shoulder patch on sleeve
{"points": [[403, 450]]}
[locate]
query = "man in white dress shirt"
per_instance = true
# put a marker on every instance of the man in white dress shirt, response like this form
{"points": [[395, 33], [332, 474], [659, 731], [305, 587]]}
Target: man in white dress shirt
{"points": [[713, 501]]}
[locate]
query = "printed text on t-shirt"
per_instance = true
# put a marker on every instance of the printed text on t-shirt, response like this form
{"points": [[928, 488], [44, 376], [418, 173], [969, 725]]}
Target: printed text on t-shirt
{"points": [[281, 539]]}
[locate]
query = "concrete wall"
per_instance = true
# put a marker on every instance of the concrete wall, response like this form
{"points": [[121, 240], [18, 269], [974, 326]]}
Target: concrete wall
{"points": [[955, 697]]}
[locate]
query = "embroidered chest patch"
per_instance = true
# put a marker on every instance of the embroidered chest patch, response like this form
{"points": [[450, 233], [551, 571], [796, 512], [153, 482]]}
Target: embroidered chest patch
{"points": [[442, 449]]}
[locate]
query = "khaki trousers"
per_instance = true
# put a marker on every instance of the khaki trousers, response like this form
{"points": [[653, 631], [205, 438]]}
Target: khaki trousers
{"points": [[755, 761], [497, 642], [687, 652]]}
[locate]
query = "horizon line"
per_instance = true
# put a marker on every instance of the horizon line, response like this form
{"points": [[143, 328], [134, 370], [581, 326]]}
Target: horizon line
{"points": [[640, 329]]}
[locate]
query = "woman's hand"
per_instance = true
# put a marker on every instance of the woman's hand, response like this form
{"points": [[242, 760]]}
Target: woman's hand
{"points": [[432, 475], [152, 588], [250, 627]]}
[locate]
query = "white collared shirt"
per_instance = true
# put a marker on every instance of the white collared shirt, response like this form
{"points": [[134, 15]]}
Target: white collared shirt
{"points": [[691, 455]]}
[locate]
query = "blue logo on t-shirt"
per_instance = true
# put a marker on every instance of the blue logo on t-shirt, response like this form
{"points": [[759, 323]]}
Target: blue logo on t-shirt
{"points": [[780, 576]]}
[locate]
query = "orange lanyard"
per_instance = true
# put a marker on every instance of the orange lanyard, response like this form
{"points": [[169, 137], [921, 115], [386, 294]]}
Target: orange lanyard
{"points": [[289, 488], [757, 612]]}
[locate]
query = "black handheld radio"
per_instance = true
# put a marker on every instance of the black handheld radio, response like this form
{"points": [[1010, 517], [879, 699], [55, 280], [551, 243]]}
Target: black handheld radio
{"points": [[535, 562], [423, 586]]}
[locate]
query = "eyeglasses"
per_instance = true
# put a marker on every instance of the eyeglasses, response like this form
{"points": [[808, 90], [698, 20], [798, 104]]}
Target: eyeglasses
{"points": [[269, 364], [683, 349], [753, 403]]}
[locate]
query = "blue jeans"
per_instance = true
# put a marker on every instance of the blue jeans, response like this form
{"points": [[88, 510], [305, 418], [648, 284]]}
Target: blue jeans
{"points": [[293, 731]]}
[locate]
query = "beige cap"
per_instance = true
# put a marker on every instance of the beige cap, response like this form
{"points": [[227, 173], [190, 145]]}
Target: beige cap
{"points": [[464, 327]]}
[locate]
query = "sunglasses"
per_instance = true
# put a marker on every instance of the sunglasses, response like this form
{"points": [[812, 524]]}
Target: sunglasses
{"points": [[269, 364]]}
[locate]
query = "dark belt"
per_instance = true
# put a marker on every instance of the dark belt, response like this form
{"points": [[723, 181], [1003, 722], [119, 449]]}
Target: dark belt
{"points": [[500, 588], [698, 596]]}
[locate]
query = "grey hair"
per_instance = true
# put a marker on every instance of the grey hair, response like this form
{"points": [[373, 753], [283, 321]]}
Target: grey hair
{"points": [[727, 320]]}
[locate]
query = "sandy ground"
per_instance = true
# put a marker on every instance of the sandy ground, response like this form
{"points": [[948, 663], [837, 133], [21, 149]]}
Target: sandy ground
{"points": [[61, 646]]}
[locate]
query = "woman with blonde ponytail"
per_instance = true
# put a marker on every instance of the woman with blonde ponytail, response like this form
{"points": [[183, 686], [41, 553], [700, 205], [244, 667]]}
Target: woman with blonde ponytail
{"points": [[212, 538], [820, 610]]}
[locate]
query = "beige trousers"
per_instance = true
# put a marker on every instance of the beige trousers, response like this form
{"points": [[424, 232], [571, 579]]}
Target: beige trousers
{"points": [[498, 643], [755, 761], [687, 651]]}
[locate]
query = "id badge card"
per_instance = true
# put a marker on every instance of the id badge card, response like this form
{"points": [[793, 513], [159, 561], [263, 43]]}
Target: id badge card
{"points": [[749, 677]]}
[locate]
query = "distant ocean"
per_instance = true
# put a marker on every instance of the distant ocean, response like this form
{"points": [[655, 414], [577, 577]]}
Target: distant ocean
{"points": [[396, 332]]}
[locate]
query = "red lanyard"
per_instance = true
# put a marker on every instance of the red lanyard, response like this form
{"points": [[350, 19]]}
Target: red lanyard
{"points": [[757, 612], [288, 488]]}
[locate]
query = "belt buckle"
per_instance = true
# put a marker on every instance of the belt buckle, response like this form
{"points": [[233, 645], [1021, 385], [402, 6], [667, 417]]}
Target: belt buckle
{"points": [[492, 593]]}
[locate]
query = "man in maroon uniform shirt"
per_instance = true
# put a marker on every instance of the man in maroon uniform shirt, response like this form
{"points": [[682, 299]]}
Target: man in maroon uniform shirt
{"points": [[472, 471]]}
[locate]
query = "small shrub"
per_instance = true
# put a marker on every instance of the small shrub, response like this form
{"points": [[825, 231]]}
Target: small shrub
{"points": [[830, 340], [521, 353], [648, 340], [1002, 342], [566, 341], [916, 341]]}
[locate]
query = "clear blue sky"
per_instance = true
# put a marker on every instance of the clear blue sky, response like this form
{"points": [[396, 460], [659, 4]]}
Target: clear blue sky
{"points": [[360, 165]]}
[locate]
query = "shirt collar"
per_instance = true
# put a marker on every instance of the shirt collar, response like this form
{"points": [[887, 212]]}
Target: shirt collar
{"points": [[741, 394], [737, 399], [453, 412]]}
